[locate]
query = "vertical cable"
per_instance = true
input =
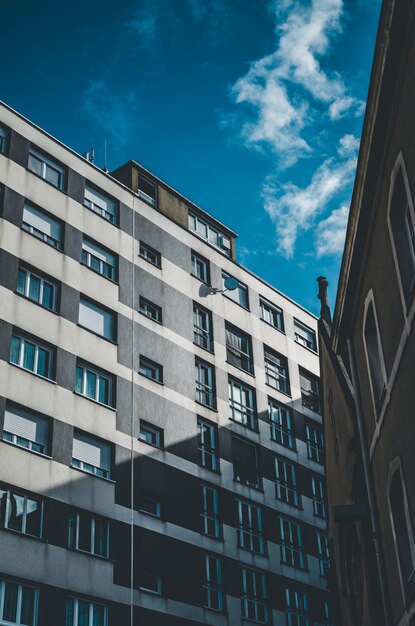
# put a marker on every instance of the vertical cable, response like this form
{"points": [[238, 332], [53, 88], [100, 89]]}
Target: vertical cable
{"points": [[132, 423]]}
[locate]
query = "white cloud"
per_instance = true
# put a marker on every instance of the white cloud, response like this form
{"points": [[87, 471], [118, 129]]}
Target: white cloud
{"points": [[341, 107], [331, 232]]}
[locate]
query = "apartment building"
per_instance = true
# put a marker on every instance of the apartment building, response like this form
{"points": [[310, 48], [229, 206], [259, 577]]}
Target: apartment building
{"points": [[161, 447]]}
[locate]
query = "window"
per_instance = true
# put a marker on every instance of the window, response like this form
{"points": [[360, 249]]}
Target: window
{"points": [[151, 370], [101, 204], [202, 328], [149, 505], [315, 443], [97, 319], [26, 429], [207, 444], [91, 455], [21, 513], [317, 489], [238, 295], [42, 226], [18, 604], [3, 140], [286, 482], [276, 371], [291, 544], [281, 424], [209, 511], [206, 231], [36, 288], [254, 596], [205, 384], [239, 349], [402, 529], [374, 357], [147, 191], [327, 614], [323, 553], [242, 404], [47, 169], [200, 268], [32, 356], [310, 391], [150, 255], [94, 385], [296, 608], [249, 530], [151, 434], [401, 216], [88, 534], [83, 613], [150, 582], [271, 314], [245, 463], [98, 259], [305, 335], [212, 585], [151, 310]]}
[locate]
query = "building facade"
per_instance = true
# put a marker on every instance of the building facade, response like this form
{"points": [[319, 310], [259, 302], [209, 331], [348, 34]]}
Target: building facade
{"points": [[161, 448], [368, 352]]}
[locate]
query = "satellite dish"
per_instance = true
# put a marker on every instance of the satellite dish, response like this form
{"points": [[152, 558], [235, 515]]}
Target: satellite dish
{"points": [[231, 283]]}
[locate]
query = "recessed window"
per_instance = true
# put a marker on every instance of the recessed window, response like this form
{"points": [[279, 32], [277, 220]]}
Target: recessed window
{"points": [[150, 369], [42, 226], [238, 295], [254, 596], [323, 552], [150, 582], [37, 288], [305, 336], [374, 357], [286, 482], [207, 444], [209, 233], [209, 511], [245, 463], [202, 327], [318, 495], [18, 604], [276, 371], [83, 613], [94, 385], [200, 268], [402, 527], [88, 533], [147, 191], [97, 319], [296, 607], [100, 203], [239, 349], [315, 443], [327, 614], [249, 531], [26, 429], [149, 309], [32, 356], [151, 434], [291, 544], [205, 383], [281, 423], [242, 403], [271, 314], [212, 583], [98, 259], [46, 168], [91, 455], [3, 140], [149, 505], [150, 255], [310, 391], [21, 513]]}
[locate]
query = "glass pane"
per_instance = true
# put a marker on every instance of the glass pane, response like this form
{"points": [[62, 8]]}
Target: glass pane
{"points": [[98, 615], [103, 390], [95, 263], [21, 282], [43, 362], [34, 288], [91, 382], [35, 164], [47, 297], [72, 532], [28, 606], [83, 613], [100, 545], [29, 356], [10, 602], [14, 350], [52, 176], [79, 376], [84, 541], [69, 612], [16, 510], [33, 517]]}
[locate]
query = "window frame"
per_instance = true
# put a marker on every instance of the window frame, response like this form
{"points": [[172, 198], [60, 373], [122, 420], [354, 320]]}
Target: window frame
{"points": [[99, 210], [248, 412], [259, 597], [291, 546], [209, 230], [296, 608], [374, 360], [277, 369], [199, 261], [318, 497], [315, 449], [207, 450], [145, 250], [205, 390], [73, 543], [91, 605], [277, 426], [143, 195], [87, 262], [143, 303], [152, 430], [258, 484], [275, 312], [316, 405], [301, 339], [56, 244], [38, 345], [145, 362], [48, 162], [156, 501], [20, 589], [42, 278], [217, 584], [248, 537], [244, 359], [4, 523], [158, 591], [4, 139], [208, 516], [99, 374], [14, 438], [205, 335], [323, 552], [106, 313], [242, 288], [80, 464], [286, 486]]}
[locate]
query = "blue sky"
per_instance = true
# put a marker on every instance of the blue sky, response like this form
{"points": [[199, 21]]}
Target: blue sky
{"points": [[251, 108]]}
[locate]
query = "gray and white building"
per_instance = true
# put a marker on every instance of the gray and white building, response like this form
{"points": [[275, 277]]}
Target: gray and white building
{"points": [[161, 448]]}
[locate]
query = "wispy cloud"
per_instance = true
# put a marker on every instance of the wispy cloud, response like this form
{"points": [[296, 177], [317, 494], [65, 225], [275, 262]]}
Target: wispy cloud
{"points": [[331, 233]]}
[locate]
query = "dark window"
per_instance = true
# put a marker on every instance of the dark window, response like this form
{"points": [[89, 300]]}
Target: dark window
{"points": [[100, 203], [296, 608], [249, 531], [318, 494], [200, 268], [151, 310], [47, 168], [212, 583], [242, 403], [205, 383], [245, 463], [147, 191], [88, 534], [402, 529], [21, 513], [281, 422], [276, 370], [32, 356], [150, 255], [271, 314], [209, 511], [254, 596], [36, 287], [83, 613], [43, 226], [323, 553], [98, 259], [310, 390], [315, 443], [3, 140], [291, 544], [239, 349], [207, 444], [286, 482], [18, 604], [26, 429], [150, 582], [238, 295], [94, 384], [305, 335], [151, 434], [149, 505], [151, 370], [374, 358], [202, 327]]}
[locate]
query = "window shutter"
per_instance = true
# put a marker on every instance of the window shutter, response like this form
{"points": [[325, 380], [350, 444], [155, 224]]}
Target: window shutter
{"points": [[26, 425], [92, 451], [42, 222], [96, 319], [88, 246], [100, 200]]}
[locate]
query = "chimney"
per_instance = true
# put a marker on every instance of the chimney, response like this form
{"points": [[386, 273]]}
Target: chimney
{"points": [[322, 296]]}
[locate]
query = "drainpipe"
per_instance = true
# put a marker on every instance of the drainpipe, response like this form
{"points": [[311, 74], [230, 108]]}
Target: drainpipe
{"points": [[369, 485]]}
